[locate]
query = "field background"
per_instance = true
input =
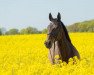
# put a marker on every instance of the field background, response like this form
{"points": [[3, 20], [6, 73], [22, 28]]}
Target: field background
{"points": [[27, 55]]}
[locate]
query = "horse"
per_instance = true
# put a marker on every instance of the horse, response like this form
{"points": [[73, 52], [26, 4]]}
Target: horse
{"points": [[58, 41]]}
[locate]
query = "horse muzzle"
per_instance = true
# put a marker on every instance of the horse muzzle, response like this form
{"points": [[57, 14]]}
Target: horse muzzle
{"points": [[48, 44]]}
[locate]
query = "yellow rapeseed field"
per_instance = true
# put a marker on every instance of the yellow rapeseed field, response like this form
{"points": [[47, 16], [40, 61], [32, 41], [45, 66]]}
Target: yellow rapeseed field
{"points": [[27, 55]]}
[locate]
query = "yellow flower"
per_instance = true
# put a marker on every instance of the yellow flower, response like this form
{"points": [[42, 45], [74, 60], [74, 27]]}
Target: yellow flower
{"points": [[27, 55]]}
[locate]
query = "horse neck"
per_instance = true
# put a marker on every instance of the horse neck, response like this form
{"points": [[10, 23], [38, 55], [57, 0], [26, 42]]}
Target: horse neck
{"points": [[62, 50], [66, 32], [62, 45]]}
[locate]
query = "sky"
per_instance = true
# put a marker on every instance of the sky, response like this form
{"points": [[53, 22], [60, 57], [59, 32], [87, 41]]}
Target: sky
{"points": [[23, 13]]}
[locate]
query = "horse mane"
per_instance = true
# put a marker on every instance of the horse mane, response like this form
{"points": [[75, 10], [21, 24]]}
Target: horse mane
{"points": [[66, 32]]}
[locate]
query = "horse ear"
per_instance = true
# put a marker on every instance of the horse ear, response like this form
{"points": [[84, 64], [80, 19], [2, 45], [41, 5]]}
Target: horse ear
{"points": [[50, 17], [59, 16]]}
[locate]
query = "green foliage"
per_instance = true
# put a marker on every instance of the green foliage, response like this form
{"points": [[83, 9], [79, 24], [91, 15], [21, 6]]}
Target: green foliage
{"points": [[12, 32], [86, 26], [23, 31], [29, 30], [0, 32], [44, 31]]}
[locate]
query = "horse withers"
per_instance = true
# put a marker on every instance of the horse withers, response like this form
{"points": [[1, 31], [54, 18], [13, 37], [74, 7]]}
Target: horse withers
{"points": [[58, 41]]}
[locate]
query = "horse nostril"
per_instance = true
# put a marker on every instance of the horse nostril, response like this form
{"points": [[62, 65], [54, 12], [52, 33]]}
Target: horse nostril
{"points": [[49, 43]]}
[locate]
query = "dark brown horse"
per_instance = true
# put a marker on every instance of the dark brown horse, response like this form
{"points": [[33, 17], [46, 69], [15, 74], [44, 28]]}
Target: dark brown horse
{"points": [[58, 41]]}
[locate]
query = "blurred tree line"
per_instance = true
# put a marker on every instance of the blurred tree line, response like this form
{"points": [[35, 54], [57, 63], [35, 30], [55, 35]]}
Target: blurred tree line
{"points": [[28, 30], [14, 31], [86, 26]]}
